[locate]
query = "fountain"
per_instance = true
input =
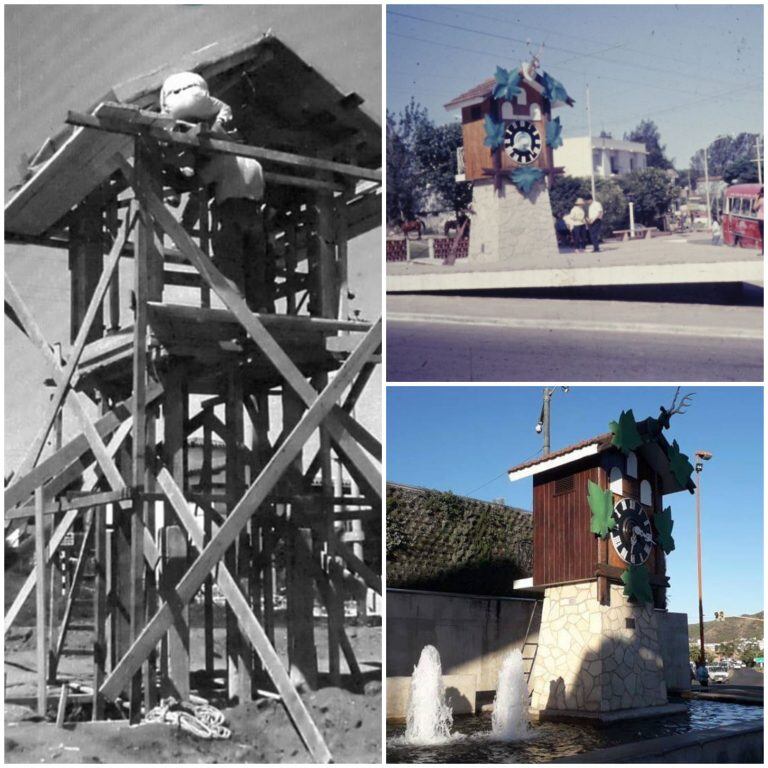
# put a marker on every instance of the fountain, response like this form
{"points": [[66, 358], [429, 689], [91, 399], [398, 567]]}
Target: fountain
{"points": [[429, 718], [510, 707]]}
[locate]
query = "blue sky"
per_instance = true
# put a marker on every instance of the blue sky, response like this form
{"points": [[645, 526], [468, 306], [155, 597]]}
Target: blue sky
{"points": [[695, 70], [464, 439]]}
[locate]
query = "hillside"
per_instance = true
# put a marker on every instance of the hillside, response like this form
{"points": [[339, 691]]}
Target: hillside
{"points": [[448, 543], [730, 629]]}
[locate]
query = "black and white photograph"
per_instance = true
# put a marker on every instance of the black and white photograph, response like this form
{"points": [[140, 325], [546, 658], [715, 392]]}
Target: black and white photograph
{"points": [[193, 384]]}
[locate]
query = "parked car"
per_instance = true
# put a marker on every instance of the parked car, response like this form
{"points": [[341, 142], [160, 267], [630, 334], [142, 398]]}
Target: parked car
{"points": [[718, 673]]}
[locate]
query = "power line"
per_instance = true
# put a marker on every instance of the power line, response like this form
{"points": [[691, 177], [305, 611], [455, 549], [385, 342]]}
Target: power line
{"points": [[508, 38], [493, 480]]}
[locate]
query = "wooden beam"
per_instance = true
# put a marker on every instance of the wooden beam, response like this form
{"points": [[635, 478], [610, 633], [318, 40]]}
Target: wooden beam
{"points": [[175, 560], [253, 630], [253, 498], [111, 117], [356, 565], [30, 459], [358, 432], [78, 502], [615, 573], [234, 301], [40, 561]]}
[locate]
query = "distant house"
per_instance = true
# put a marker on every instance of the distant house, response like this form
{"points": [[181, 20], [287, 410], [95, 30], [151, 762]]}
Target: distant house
{"points": [[610, 157]]}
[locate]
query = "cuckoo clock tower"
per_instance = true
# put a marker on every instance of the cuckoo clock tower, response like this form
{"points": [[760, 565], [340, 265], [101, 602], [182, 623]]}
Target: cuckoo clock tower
{"points": [[601, 536], [509, 136]]}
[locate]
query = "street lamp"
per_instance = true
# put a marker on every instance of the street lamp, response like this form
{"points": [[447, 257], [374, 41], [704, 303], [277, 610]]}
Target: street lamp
{"points": [[701, 457], [544, 417]]}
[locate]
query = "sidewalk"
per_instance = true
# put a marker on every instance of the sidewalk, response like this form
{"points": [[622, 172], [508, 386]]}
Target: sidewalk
{"points": [[663, 260]]}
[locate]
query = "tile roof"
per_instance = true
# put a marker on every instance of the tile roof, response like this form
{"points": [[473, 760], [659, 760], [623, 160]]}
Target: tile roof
{"points": [[446, 543]]}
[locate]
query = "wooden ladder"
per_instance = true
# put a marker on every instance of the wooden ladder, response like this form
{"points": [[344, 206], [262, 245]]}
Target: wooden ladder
{"points": [[74, 598], [529, 649]]}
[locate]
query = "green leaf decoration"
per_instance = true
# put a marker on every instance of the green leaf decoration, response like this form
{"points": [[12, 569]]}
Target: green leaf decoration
{"points": [[554, 133], [554, 90], [507, 84], [664, 522], [679, 465], [637, 584], [494, 133], [625, 435], [601, 504], [525, 178]]}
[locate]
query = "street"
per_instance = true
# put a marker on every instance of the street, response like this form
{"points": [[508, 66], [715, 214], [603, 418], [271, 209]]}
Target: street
{"points": [[463, 338]]}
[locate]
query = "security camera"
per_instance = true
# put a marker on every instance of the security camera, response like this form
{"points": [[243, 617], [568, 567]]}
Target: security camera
{"points": [[566, 389], [539, 427]]}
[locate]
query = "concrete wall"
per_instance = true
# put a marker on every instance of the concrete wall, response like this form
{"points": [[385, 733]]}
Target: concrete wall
{"points": [[472, 634], [673, 639], [728, 744]]}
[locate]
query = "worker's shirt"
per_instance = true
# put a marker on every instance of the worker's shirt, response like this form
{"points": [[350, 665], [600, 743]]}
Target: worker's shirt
{"points": [[234, 177], [595, 211]]}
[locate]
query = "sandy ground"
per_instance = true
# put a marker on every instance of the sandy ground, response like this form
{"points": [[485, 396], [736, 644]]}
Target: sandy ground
{"points": [[349, 717]]}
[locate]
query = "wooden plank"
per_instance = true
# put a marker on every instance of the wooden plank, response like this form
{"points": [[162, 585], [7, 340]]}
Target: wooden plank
{"points": [[358, 432], [40, 603], [141, 286], [251, 627], [99, 611], [253, 498], [78, 502], [175, 562], [118, 117], [83, 162], [356, 565], [62, 708]]}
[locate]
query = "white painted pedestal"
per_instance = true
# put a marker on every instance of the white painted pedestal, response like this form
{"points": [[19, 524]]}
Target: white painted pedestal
{"points": [[508, 224]]}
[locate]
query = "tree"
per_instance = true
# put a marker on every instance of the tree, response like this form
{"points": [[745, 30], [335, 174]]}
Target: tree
{"points": [[726, 151], [749, 652], [694, 651], [652, 191], [647, 133], [421, 163], [740, 171]]}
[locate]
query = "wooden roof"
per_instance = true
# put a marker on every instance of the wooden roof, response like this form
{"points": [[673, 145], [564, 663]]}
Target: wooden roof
{"points": [[279, 101]]}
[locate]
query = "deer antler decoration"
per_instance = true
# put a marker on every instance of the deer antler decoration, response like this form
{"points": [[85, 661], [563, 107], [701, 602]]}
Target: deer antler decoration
{"points": [[681, 407]]}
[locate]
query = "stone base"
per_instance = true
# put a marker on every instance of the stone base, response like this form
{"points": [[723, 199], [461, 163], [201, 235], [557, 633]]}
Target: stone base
{"points": [[509, 226], [596, 658], [569, 715]]}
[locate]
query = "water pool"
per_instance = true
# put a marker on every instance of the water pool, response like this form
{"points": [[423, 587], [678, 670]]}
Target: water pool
{"points": [[471, 742]]}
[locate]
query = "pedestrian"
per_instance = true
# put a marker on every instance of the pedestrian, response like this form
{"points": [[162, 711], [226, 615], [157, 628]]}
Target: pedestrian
{"points": [[759, 214], [702, 674], [578, 219], [594, 222], [716, 232]]}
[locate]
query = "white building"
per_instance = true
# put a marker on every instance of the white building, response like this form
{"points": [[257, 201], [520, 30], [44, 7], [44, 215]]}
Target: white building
{"points": [[610, 157]]}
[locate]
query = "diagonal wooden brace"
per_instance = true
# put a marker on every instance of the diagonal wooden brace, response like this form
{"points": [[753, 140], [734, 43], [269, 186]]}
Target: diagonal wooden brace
{"points": [[250, 626], [236, 304], [33, 454], [280, 461]]}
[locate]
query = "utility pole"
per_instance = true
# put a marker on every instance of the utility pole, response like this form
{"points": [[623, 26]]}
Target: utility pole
{"points": [[701, 457], [545, 412], [706, 181], [591, 150]]}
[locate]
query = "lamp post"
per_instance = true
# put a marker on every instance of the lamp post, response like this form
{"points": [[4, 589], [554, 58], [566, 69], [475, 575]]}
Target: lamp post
{"points": [[701, 457], [544, 418]]}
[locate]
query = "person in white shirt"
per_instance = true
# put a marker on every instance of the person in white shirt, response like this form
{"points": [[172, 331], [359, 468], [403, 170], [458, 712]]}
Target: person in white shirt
{"points": [[578, 225], [594, 222]]}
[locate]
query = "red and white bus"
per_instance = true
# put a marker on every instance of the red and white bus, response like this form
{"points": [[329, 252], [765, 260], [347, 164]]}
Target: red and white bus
{"points": [[741, 226]]}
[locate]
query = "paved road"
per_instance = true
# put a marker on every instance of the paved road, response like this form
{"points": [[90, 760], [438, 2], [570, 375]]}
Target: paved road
{"points": [[746, 676], [459, 338]]}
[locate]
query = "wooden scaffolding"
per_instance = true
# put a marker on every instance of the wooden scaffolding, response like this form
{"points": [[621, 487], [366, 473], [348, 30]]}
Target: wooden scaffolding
{"points": [[162, 537]]}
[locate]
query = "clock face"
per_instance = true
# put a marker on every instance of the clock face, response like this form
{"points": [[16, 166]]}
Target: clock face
{"points": [[522, 141], [631, 534]]}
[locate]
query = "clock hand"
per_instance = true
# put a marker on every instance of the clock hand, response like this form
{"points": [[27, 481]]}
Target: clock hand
{"points": [[641, 532]]}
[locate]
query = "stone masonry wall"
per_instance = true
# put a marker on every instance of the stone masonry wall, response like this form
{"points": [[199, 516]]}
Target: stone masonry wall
{"points": [[589, 660], [511, 225]]}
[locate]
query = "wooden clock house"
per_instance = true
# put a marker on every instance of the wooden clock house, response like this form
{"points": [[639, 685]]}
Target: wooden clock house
{"points": [[607, 646], [525, 119], [508, 140], [565, 550]]}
